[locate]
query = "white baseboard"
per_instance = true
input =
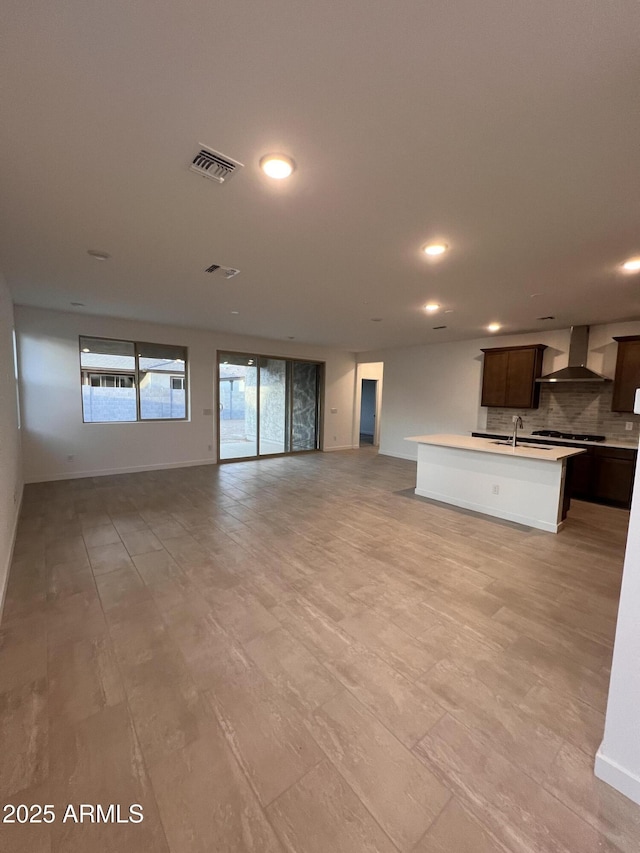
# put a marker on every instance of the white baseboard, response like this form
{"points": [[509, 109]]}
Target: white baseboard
{"points": [[618, 777], [398, 455], [341, 447], [105, 472], [4, 576], [506, 515]]}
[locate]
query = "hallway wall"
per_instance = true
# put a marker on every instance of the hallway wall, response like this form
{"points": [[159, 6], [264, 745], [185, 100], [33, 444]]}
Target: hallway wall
{"points": [[10, 454]]}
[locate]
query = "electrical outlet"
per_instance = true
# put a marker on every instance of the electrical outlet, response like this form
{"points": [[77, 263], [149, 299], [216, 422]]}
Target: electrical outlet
{"points": [[211, 447], [335, 437], [495, 489], [628, 425]]}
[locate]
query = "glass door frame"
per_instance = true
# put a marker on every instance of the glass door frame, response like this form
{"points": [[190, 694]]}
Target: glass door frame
{"points": [[289, 360]]}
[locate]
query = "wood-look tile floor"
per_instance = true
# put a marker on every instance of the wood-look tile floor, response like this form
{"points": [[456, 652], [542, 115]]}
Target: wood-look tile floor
{"points": [[299, 655]]}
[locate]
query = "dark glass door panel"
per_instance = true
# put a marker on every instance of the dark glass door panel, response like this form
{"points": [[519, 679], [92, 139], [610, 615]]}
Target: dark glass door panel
{"points": [[304, 406], [274, 432]]}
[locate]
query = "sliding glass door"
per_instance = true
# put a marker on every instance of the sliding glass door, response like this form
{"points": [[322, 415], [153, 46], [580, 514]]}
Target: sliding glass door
{"points": [[237, 405], [273, 417], [267, 406]]}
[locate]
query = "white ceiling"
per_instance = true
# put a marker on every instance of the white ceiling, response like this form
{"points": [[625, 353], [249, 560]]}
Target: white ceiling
{"points": [[508, 128]]}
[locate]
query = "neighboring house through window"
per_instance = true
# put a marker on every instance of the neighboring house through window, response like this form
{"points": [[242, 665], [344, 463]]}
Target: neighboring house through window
{"points": [[132, 381]]}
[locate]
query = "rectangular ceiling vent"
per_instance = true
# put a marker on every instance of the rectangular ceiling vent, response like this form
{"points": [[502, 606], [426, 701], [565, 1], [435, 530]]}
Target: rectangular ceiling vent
{"points": [[214, 165], [226, 272]]}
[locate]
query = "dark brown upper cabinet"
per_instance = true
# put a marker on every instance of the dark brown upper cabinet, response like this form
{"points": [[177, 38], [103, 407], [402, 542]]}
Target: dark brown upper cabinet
{"points": [[627, 377], [509, 376]]}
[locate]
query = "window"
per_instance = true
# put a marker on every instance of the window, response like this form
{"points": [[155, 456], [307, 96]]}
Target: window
{"points": [[110, 380], [15, 373], [130, 381]]}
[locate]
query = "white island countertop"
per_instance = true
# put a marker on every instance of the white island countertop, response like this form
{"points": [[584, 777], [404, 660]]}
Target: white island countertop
{"points": [[549, 453]]}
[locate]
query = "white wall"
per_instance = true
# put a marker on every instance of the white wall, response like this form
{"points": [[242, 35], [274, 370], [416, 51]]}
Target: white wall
{"points": [[437, 388], [618, 759], [51, 401], [10, 458]]}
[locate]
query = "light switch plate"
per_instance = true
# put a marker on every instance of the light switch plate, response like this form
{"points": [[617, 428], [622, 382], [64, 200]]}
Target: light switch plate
{"points": [[636, 407]]}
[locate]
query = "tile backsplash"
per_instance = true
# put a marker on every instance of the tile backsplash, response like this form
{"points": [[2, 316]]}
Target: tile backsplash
{"points": [[576, 407]]}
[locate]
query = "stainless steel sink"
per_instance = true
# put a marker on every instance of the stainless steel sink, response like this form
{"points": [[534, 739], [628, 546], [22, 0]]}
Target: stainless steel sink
{"points": [[521, 444]]}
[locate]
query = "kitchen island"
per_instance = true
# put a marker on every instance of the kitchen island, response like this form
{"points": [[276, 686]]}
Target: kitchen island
{"points": [[524, 484]]}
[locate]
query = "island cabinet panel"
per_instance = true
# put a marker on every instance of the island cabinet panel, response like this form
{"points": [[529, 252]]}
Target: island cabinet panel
{"points": [[627, 377], [509, 376]]}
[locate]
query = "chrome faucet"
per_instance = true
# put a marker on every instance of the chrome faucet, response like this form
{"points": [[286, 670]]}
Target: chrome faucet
{"points": [[517, 422]]}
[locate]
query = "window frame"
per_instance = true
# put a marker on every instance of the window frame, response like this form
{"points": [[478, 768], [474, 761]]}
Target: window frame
{"points": [[135, 374]]}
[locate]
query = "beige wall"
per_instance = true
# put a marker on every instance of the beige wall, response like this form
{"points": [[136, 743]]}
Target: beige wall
{"points": [[52, 414]]}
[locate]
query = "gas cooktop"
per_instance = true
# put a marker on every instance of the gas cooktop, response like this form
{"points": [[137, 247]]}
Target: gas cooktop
{"points": [[572, 436]]}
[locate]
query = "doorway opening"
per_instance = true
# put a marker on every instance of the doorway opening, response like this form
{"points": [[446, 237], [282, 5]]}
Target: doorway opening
{"points": [[267, 406], [368, 402]]}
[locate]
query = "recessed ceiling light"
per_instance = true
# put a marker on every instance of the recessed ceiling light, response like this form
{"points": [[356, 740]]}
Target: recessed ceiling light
{"points": [[98, 255], [235, 312], [494, 327], [77, 304], [291, 337], [376, 319], [431, 307], [448, 310], [86, 349], [433, 249], [277, 166], [435, 328], [632, 265]]}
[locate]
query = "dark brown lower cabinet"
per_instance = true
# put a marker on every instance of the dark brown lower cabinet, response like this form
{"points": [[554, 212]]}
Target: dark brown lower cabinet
{"points": [[603, 475], [613, 474], [581, 470]]}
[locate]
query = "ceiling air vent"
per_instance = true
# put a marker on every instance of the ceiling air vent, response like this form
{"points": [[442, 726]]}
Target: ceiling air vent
{"points": [[226, 272], [212, 164]]}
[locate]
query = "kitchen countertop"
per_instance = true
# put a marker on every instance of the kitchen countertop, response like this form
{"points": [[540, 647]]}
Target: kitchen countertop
{"points": [[547, 453], [629, 444]]}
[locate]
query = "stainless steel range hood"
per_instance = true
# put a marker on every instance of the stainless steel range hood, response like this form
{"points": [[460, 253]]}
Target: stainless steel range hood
{"points": [[576, 371]]}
